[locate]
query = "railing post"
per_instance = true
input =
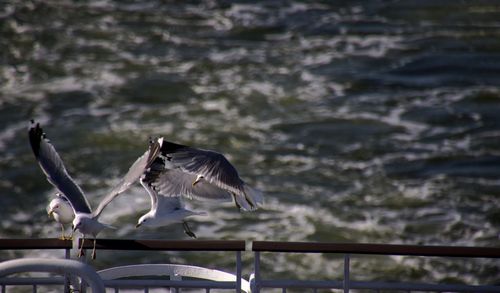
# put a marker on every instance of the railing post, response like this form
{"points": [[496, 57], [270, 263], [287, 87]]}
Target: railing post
{"points": [[82, 258], [67, 255], [346, 273], [238, 271], [257, 272]]}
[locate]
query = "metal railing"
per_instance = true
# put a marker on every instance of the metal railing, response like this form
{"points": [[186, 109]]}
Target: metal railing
{"points": [[212, 279], [36, 244], [65, 267], [349, 249], [170, 275]]}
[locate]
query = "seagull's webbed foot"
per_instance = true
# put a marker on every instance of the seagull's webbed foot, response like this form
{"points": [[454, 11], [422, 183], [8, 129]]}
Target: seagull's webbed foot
{"points": [[198, 179], [63, 237], [187, 230], [70, 237]]}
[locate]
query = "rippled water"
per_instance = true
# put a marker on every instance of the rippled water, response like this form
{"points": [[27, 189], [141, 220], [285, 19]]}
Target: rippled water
{"points": [[362, 122]]}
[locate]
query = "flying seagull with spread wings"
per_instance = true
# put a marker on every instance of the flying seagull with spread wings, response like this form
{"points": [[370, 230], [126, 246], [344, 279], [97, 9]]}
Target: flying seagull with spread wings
{"points": [[179, 171], [166, 191], [86, 221], [193, 173]]}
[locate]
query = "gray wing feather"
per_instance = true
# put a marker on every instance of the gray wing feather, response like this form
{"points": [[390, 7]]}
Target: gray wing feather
{"points": [[53, 167], [213, 166], [169, 203], [175, 182], [134, 173]]}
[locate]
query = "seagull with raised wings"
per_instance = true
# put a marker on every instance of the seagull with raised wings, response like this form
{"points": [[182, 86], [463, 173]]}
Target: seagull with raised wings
{"points": [[86, 221], [182, 171]]}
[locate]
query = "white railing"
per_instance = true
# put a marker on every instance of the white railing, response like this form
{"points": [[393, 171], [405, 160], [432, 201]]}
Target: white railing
{"points": [[174, 276], [64, 267]]}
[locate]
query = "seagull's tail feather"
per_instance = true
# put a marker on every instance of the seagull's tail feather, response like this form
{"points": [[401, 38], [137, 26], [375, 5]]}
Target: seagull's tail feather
{"points": [[253, 196]]}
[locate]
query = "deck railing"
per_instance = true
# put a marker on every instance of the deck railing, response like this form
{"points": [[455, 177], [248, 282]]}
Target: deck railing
{"points": [[36, 244], [235, 246], [349, 249], [214, 279]]}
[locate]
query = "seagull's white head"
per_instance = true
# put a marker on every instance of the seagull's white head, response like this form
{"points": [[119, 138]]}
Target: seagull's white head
{"points": [[60, 210], [146, 220], [53, 208], [78, 222]]}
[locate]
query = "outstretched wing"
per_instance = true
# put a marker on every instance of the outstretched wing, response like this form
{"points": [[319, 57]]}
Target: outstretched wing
{"points": [[54, 169], [214, 168], [134, 173]]}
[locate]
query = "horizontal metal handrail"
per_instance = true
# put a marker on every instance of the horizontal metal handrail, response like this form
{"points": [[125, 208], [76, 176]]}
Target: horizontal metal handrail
{"points": [[167, 283], [363, 285], [173, 245], [32, 280], [269, 246], [410, 286], [30, 243], [380, 249]]}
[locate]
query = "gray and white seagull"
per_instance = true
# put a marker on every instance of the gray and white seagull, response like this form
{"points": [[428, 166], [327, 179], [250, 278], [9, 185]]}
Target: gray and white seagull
{"points": [[182, 171], [86, 221], [198, 173], [166, 191]]}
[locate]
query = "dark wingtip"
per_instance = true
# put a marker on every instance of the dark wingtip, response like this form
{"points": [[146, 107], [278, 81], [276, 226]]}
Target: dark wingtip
{"points": [[169, 147], [35, 135]]}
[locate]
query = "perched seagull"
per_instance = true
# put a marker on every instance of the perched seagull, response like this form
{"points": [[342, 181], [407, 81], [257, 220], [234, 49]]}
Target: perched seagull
{"points": [[85, 220], [203, 174], [60, 209]]}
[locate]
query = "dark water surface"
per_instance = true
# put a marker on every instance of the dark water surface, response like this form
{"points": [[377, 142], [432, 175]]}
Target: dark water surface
{"points": [[374, 121]]}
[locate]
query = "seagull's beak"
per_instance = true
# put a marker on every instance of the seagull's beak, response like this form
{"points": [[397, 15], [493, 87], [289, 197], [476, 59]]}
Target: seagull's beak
{"points": [[138, 225], [50, 213]]}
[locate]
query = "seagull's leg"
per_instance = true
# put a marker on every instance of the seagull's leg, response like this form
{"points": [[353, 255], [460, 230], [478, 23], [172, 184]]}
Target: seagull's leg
{"points": [[198, 178], [93, 250], [80, 252], [63, 237], [187, 230]]}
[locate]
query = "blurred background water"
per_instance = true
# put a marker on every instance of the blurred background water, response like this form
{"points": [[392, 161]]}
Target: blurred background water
{"points": [[362, 121]]}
